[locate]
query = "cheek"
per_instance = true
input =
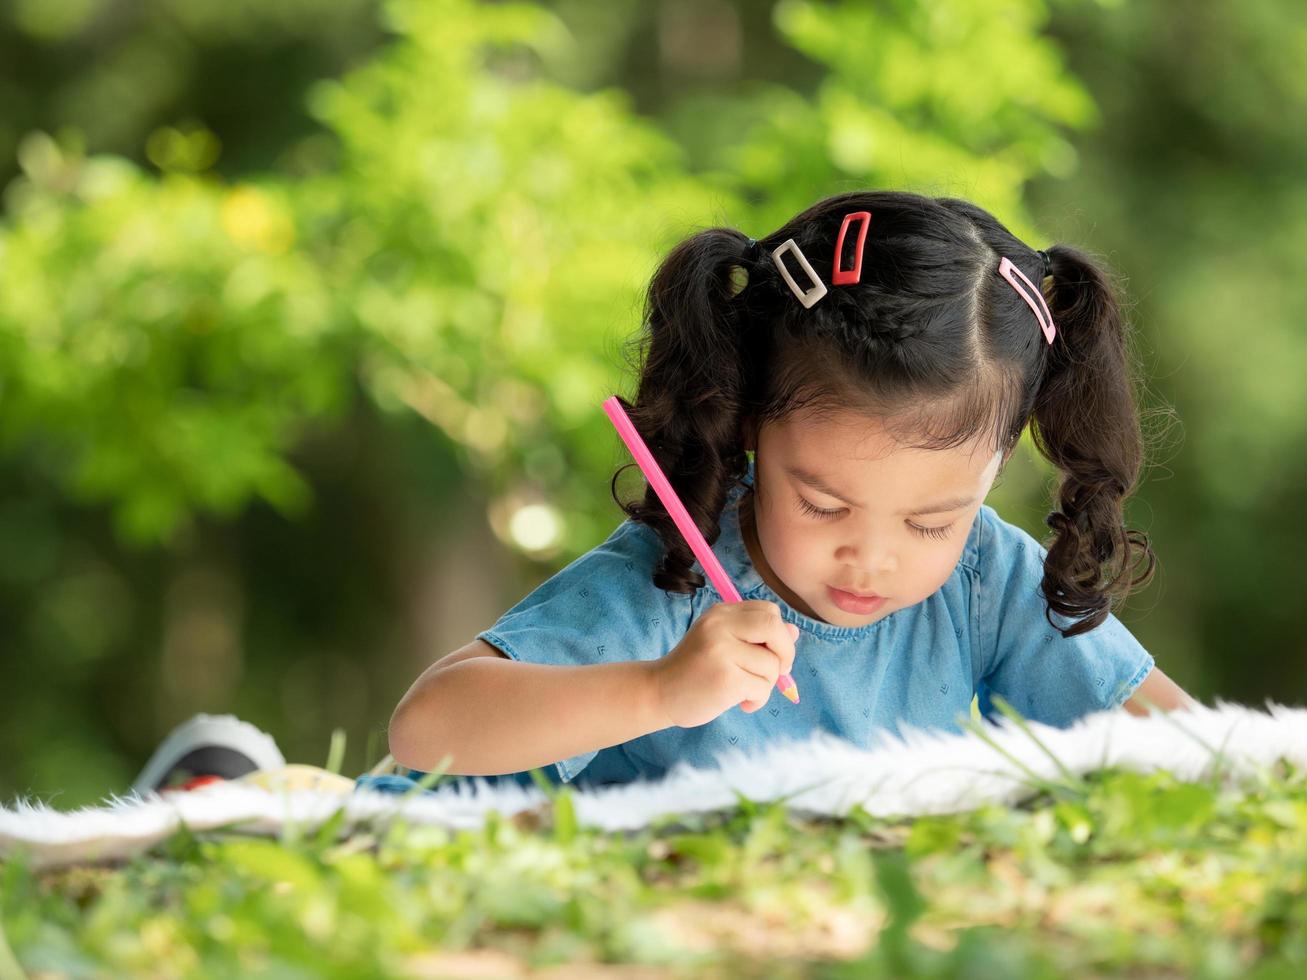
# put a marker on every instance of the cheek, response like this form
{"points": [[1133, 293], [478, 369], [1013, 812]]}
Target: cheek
{"points": [[939, 566], [785, 543], [792, 548]]}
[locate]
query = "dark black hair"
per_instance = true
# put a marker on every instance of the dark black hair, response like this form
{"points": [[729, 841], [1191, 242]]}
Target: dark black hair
{"points": [[931, 340]]}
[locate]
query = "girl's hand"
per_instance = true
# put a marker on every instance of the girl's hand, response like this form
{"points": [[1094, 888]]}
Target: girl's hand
{"points": [[731, 655]]}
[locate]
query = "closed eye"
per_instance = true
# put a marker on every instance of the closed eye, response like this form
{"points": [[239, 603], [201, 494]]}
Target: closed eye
{"points": [[926, 532]]}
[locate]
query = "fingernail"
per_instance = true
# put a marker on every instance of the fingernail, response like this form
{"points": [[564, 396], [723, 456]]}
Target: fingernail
{"points": [[794, 630]]}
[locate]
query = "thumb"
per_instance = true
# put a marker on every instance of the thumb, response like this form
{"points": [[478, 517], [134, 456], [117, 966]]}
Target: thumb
{"points": [[794, 630]]}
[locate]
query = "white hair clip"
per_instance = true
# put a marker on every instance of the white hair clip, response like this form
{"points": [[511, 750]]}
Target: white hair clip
{"points": [[818, 288]]}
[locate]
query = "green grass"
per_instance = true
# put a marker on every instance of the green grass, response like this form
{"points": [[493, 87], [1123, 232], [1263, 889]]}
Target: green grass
{"points": [[1142, 875], [1115, 873]]}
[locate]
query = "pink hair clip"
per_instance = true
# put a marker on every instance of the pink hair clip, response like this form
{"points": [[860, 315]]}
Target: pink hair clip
{"points": [[843, 277], [1006, 269]]}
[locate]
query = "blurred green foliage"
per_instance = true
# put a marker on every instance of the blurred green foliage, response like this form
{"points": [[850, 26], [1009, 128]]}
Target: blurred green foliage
{"points": [[250, 372]]}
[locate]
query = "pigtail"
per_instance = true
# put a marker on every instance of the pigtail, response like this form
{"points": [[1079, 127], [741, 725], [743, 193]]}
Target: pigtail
{"points": [[1086, 421], [689, 405]]}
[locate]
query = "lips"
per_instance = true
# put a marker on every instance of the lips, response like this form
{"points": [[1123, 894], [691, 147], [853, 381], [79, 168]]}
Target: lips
{"points": [[854, 604], [860, 595]]}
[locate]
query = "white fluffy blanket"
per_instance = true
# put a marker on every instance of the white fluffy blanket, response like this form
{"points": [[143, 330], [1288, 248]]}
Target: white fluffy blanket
{"points": [[926, 772]]}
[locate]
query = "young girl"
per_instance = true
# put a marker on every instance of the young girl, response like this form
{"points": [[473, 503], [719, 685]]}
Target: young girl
{"points": [[832, 404]]}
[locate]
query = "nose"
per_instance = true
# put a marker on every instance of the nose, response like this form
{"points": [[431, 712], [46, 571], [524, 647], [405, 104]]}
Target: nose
{"points": [[874, 559]]}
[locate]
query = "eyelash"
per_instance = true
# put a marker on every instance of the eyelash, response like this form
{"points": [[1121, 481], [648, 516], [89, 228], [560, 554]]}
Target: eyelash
{"points": [[925, 532]]}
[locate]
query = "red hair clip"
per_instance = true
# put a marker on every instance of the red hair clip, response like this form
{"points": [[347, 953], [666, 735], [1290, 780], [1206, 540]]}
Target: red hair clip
{"points": [[843, 277]]}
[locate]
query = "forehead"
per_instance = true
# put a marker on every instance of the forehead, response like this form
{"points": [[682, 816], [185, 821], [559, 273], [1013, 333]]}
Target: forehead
{"points": [[858, 448]]}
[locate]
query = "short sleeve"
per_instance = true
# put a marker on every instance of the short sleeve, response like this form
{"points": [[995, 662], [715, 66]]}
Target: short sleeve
{"points": [[601, 608], [1045, 676]]}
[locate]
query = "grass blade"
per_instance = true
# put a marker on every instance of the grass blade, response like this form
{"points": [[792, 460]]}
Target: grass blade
{"points": [[336, 754]]}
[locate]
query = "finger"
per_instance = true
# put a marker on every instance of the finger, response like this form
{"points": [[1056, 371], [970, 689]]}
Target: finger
{"points": [[757, 621], [769, 632], [784, 636], [755, 656], [759, 662], [750, 705], [792, 634]]}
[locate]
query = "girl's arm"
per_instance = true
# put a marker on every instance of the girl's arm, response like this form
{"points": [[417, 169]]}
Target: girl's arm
{"points": [[495, 715], [1162, 691]]}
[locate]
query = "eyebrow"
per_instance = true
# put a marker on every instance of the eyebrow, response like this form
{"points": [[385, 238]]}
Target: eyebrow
{"points": [[817, 483]]}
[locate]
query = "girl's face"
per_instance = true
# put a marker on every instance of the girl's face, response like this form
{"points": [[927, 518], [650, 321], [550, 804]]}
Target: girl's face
{"points": [[890, 520]]}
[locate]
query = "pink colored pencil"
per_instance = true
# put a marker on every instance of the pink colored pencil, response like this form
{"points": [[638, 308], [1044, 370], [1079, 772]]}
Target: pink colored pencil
{"points": [[654, 474]]}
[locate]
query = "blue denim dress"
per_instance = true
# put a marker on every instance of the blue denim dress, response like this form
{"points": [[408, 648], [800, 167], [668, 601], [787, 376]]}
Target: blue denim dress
{"points": [[984, 631]]}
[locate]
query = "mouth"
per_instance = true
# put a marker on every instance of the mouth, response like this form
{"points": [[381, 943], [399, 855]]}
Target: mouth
{"points": [[853, 603]]}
